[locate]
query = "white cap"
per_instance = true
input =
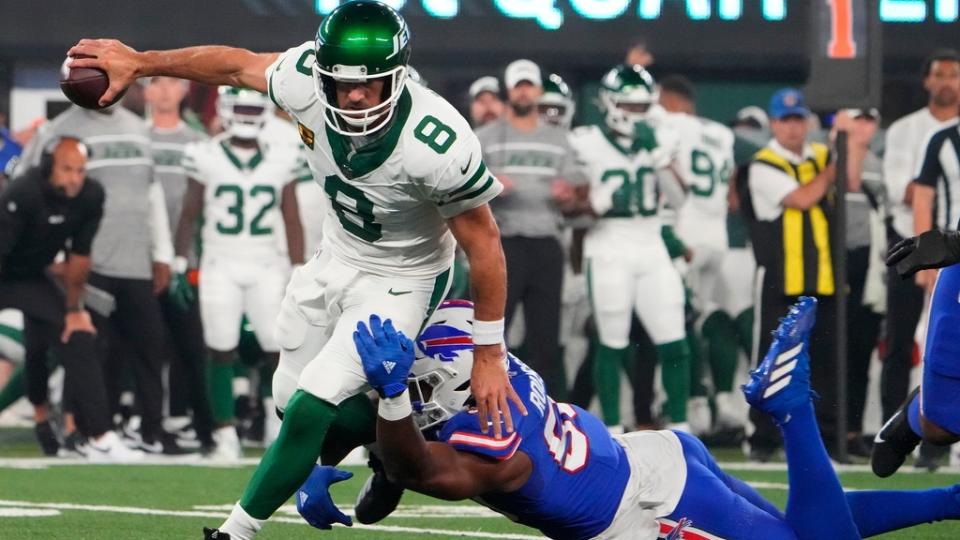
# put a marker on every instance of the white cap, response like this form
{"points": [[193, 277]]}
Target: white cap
{"points": [[484, 84], [755, 114], [522, 70]]}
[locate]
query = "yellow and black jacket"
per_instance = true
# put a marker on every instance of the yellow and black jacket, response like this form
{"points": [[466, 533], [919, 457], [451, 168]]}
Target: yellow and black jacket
{"points": [[795, 248]]}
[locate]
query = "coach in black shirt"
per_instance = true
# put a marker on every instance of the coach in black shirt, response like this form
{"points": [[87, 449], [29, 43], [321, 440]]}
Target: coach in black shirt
{"points": [[49, 209]]}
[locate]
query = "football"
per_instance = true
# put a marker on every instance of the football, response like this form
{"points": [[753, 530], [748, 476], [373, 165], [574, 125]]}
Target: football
{"points": [[84, 86]]}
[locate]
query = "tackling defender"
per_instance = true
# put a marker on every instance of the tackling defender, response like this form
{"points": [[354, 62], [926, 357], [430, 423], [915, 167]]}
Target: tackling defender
{"points": [[244, 188], [562, 473], [628, 269], [405, 181]]}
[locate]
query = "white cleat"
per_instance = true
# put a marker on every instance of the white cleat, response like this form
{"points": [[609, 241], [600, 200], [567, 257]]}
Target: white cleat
{"points": [[227, 447], [727, 416], [698, 415], [110, 449]]}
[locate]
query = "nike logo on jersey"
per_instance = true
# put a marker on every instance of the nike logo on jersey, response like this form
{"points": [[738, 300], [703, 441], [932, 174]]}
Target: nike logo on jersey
{"points": [[465, 168], [391, 292], [388, 366]]}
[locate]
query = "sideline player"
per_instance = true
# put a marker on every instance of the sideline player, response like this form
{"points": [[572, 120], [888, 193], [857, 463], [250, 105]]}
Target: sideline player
{"points": [[245, 190], [720, 290], [562, 473], [628, 268], [406, 182]]}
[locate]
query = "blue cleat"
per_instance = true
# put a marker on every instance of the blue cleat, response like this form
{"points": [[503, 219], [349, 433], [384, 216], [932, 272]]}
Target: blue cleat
{"points": [[782, 380]]}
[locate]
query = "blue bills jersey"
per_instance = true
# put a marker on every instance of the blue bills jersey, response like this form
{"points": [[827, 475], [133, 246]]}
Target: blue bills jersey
{"points": [[579, 471]]}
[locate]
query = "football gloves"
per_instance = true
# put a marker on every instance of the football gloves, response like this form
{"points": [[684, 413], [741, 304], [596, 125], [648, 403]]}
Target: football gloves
{"points": [[932, 249], [181, 292], [313, 498], [387, 356]]}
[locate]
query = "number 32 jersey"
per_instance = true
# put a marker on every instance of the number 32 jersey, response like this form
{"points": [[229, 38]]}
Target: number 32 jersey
{"points": [[389, 198], [242, 192], [579, 471]]}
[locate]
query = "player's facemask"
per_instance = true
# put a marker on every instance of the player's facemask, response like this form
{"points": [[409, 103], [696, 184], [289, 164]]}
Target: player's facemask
{"points": [[243, 112], [358, 122]]}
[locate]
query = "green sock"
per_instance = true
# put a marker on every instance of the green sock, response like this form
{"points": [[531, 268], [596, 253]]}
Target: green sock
{"points": [[355, 425], [744, 322], [721, 335], [220, 388], [14, 389], [606, 376], [675, 371], [289, 460]]}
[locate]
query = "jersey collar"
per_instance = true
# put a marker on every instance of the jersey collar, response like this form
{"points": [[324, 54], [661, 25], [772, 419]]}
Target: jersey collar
{"points": [[254, 161], [612, 139], [362, 161]]}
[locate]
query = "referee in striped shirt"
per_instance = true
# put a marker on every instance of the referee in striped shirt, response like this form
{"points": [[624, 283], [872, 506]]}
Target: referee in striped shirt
{"points": [[936, 192]]}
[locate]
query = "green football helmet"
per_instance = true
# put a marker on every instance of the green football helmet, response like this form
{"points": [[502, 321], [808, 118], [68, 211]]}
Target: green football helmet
{"points": [[627, 94], [359, 41], [243, 111], [556, 106]]}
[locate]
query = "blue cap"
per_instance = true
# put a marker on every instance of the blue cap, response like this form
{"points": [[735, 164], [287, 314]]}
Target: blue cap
{"points": [[787, 102]]}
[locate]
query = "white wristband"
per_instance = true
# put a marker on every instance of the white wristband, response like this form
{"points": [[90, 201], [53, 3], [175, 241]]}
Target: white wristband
{"points": [[488, 332], [395, 408], [180, 265]]}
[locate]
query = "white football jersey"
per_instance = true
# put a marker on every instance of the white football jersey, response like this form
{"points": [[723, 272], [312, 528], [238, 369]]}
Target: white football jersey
{"points": [[623, 187], [241, 207], [706, 163], [389, 198]]}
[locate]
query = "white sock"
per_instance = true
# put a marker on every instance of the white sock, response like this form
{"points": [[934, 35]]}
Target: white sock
{"points": [[240, 525]]}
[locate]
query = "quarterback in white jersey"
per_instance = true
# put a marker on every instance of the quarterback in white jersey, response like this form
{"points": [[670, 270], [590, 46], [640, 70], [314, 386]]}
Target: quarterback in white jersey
{"points": [[628, 267], [405, 182]]}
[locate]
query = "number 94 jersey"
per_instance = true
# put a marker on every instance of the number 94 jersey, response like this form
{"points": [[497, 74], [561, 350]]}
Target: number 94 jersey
{"points": [[579, 471], [242, 192], [389, 194]]}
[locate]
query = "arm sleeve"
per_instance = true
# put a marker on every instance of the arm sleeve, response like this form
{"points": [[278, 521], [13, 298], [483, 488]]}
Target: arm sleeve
{"points": [[82, 241], [290, 78], [465, 183], [898, 163], [930, 168], [160, 225], [462, 433]]}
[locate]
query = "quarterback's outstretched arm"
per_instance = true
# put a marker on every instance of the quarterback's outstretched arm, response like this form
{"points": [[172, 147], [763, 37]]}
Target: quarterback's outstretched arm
{"points": [[207, 64]]}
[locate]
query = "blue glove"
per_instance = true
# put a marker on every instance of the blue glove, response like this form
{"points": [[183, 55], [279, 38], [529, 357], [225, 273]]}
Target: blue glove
{"points": [[313, 498], [387, 356]]}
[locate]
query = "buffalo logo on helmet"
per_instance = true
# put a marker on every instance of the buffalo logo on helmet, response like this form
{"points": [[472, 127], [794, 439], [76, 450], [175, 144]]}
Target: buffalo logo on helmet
{"points": [[444, 342]]}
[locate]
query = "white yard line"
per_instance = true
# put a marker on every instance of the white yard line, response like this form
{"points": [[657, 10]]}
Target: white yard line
{"points": [[221, 515]]}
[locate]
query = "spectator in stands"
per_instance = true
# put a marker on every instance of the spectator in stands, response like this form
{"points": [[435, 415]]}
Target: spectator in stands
{"points": [[531, 159]]}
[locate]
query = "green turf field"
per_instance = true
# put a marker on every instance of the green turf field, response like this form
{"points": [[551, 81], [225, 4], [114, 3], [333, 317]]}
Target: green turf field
{"points": [[154, 502]]}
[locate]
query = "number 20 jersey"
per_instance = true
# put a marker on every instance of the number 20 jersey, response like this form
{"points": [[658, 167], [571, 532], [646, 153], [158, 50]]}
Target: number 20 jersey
{"points": [[241, 206], [388, 199], [579, 471]]}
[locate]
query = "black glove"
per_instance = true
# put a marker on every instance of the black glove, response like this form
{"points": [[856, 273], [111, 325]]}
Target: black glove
{"points": [[932, 249]]}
